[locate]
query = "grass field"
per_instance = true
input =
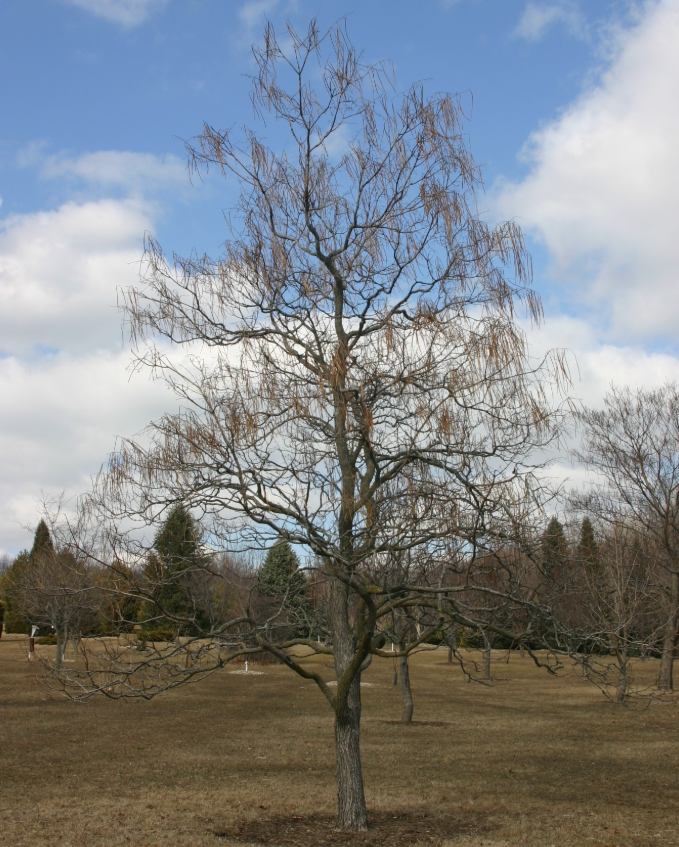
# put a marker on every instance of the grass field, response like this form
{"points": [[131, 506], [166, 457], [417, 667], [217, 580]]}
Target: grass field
{"points": [[530, 761]]}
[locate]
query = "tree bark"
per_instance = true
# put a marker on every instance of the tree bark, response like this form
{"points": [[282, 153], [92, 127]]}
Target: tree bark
{"points": [[57, 663], [486, 655], [452, 647], [352, 814], [666, 674], [408, 706], [351, 808], [623, 685]]}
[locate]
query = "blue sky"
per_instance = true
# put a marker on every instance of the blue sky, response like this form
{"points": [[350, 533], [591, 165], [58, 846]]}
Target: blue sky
{"points": [[574, 119]]}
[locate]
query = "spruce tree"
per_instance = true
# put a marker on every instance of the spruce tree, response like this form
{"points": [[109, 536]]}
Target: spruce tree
{"points": [[554, 550], [588, 549], [42, 541], [280, 579], [15, 618], [175, 577]]}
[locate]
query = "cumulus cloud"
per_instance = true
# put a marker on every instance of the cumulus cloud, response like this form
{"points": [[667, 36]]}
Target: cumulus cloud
{"points": [[60, 418], [596, 364], [134, 173], [59, 274], [125, 12], [537, 18], [603, 181], [63, 376], [63, 380]]}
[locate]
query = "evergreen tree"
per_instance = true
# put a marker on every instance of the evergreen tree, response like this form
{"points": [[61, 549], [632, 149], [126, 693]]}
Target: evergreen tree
{"points": [[588, 549], [176, 579], [42, 541], [554, 550], [16, 620], [280, 579]]}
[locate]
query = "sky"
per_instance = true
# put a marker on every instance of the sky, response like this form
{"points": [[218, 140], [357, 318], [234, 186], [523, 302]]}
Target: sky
{"points": [[573, 117]]}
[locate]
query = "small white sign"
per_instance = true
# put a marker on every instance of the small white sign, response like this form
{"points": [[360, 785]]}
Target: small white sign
{"points": [[34, 629]]}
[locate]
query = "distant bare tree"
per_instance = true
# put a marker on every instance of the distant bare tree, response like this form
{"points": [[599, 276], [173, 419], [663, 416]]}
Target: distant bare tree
{"points": [[617, 611], [632, 446], [5, 563], [56, 591], [355, 382]]}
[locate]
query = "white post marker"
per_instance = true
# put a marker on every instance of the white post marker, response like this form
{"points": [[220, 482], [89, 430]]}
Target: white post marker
{"points": [[246, 666], [31, 642]]}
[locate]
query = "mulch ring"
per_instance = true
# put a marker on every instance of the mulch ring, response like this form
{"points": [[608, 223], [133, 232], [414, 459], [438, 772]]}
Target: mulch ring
{"points": [[386, 830], [418, 723]]}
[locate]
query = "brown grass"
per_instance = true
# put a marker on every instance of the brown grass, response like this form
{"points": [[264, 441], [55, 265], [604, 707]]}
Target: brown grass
{"points": [[531, 761]]}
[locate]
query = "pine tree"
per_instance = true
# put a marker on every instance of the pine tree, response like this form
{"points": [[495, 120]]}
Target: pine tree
{"points": [[280, 579], [15, 617], [588, 549], [42, 541], [176, 578], [554, 550]]}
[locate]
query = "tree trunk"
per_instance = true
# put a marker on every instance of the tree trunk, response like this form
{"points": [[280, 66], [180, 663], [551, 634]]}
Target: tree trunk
{"points": [[623, 685], [60, 639], [408, 706], [452, 647], [665, 677], [352, 814], [486, 655]]}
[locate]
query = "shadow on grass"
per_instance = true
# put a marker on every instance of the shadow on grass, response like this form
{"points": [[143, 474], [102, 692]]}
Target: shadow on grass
{"points": [[387, 829]]}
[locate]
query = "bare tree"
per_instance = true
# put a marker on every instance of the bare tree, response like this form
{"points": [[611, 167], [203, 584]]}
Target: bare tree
{"points": [[55, 591], [615, 609], [632, 445], [355, 382]]}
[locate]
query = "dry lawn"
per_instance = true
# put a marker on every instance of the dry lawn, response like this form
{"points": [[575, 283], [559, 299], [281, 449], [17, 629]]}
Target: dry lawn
{"points": [[531, 761]]}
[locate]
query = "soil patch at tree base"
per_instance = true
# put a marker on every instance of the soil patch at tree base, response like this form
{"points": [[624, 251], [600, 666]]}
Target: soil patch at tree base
{"points": [[387, 829], [417, 723]]}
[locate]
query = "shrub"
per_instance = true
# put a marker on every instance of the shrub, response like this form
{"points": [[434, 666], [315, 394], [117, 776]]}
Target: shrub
{"points": [[162, 633]]}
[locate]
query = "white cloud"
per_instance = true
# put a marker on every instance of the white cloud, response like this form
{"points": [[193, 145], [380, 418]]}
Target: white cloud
{"points": [[595, 364], [136, 173], [537, 18], [63, 379], [59, 274], [599, 364], [60, 418], [255, 12], [125, 12], [603, 183]]}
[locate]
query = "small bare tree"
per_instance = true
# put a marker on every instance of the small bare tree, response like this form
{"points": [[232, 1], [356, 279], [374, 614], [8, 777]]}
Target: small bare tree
{"points": [[617, 602], [355, 381], [54, 590], [632, 446]]}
